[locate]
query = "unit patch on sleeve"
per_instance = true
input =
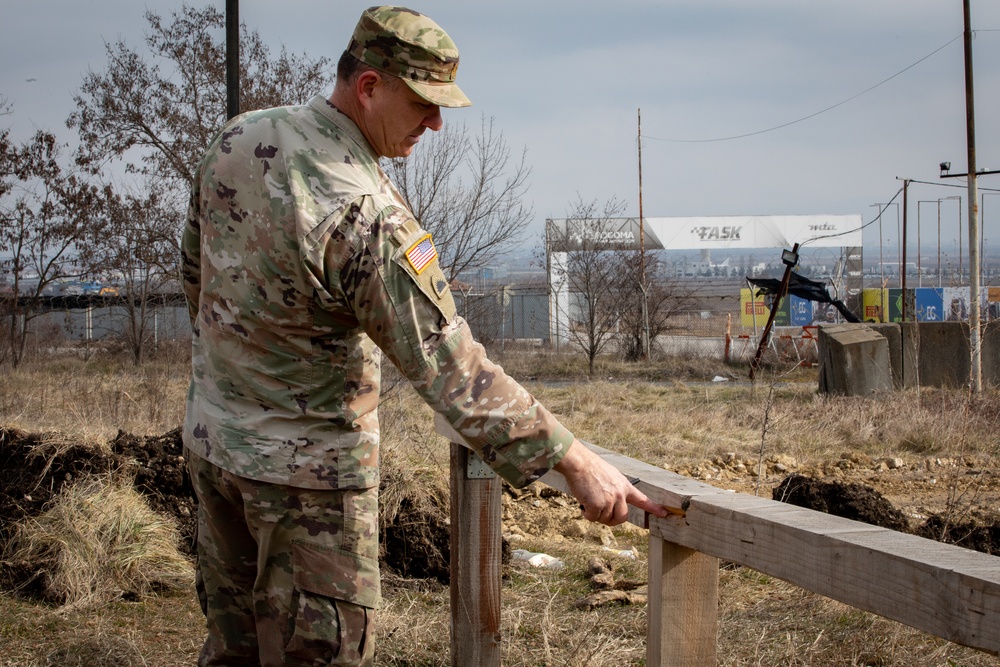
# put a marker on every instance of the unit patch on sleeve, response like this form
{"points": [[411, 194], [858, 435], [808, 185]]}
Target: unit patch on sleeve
{"points": [[421, 253]]}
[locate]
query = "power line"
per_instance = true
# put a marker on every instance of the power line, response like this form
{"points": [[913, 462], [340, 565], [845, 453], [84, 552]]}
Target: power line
{"points": [[852, 231], [812, 115], [885, 207], [949, 185]]}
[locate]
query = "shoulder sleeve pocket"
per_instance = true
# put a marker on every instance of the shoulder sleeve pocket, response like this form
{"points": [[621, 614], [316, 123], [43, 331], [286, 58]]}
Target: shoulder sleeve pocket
{"points": [[417, 256]]}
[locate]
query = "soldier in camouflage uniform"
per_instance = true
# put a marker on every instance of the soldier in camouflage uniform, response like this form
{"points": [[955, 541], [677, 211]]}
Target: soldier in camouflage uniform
{"points": [[300, 263]]}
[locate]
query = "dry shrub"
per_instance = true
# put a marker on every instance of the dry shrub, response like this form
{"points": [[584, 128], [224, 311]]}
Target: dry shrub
{"points": [[99, 541], [413, 492], [100, 650]]}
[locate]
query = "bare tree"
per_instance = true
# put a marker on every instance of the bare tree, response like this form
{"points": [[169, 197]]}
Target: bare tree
{"points": [[155, 109], [169, 103], [7, 153], [48, 230], [593, 277], [140, 249], [468, 192], [665, 297]]}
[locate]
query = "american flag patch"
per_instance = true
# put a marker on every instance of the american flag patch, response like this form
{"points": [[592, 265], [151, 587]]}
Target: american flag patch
{"points": [[421, 254]]}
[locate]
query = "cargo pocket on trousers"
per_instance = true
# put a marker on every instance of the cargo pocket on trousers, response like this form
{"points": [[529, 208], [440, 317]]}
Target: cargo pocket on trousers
{"points": [[331, 613]]}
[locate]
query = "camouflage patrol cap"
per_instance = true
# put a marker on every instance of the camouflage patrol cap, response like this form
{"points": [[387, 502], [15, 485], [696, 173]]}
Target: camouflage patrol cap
{"points": [[407, 44]]}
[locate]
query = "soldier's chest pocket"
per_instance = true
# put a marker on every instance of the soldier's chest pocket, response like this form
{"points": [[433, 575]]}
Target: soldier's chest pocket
{"points": [[419, 261]]}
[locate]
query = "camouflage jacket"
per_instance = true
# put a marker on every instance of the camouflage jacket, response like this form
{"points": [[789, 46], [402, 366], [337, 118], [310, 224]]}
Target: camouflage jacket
{"points": [[300, 261]]}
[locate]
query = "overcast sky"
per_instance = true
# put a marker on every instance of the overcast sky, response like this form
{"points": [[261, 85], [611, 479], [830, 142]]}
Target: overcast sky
{"points": [[566, 80]]}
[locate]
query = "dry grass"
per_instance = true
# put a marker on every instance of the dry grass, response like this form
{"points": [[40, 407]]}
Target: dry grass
{"points": [[679, 421], [164, 633], [99, 541], [678, 424], [539, 623], [765, 622], [530, 362], [90, 400]]}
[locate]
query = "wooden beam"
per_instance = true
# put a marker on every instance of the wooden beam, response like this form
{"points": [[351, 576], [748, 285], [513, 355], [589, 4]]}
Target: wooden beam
{"points": [[942, 589], [664, 487]]}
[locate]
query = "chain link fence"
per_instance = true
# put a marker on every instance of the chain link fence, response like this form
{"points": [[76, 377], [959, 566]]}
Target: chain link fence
{"points": [[719, 323]]}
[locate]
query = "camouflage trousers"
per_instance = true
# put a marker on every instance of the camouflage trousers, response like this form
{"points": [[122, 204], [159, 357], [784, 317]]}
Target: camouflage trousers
{"points": [[285, 576]]}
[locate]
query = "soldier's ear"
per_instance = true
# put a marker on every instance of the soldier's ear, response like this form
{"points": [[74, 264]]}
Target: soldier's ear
{"points": [[364, 87]]}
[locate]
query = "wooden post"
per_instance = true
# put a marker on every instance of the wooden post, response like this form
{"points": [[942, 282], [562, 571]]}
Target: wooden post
{"points": [[683, 613], [475, 561]]}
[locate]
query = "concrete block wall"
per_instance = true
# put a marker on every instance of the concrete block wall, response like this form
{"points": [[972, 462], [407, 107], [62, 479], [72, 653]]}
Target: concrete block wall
{"points": [[991, 353], [919, 354], [945, 356], [903, 352]]}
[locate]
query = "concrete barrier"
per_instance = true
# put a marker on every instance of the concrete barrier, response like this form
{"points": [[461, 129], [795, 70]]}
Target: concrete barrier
{"points": [[854, 361], [921, 354], [904, 351], [945, 359], [991, 353]]}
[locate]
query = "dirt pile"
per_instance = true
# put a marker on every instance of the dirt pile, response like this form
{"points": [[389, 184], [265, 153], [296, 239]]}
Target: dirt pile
{"points": [[843, 499], [34, 468], [415, 535], [159, 474], [863, 503]]}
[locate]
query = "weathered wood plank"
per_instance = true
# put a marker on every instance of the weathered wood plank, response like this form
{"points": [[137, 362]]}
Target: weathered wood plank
{"points": [[664, 487], [475, 565], [683, 611], [942, 589]]}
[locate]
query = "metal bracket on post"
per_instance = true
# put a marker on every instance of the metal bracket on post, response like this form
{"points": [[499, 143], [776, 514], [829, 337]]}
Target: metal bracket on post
{"points": [[477, 468]]}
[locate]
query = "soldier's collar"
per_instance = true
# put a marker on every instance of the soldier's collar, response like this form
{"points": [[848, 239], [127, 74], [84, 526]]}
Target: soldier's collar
{"points": [[322, 105]]}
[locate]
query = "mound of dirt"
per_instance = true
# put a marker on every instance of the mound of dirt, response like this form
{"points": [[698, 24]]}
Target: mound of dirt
{"points": [[417, 543], [34, 469], [850, 501], [968, 534], [863, 503]]}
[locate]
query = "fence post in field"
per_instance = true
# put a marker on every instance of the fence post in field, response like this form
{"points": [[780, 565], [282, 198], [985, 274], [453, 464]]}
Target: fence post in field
{"points": [[683, 609], [475, 560]]}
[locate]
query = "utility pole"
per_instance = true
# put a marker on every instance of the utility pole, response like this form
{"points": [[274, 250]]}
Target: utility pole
{"points": [[232, 58], [975, 341], [642, 252], [970, 133], [902, 268]]}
